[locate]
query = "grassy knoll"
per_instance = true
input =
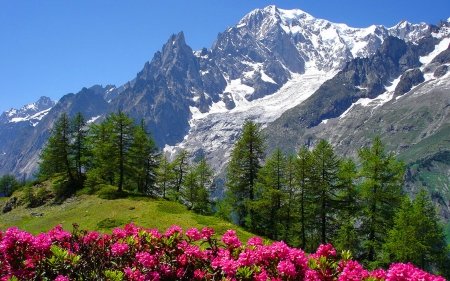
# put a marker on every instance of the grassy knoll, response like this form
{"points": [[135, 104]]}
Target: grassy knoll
{"points": [[94, 213]]}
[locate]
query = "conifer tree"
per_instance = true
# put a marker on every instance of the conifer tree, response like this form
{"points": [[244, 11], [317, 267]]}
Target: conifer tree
{"points": [[347, 237], [56, 156], [102, 167], [165, 175], [418, 236], [8, 184], [79, 147], [381, 196], [303, 179], [122, 137], [324, 181], [269, 196], [245, 161], [142, 160], [180, 168], [289, 209]]}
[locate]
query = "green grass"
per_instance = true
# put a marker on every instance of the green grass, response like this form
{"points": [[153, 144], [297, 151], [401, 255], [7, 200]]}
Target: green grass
{"points": [[94, 213]]}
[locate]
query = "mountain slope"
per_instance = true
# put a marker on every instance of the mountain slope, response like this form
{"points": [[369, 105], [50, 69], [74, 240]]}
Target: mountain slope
{"points": [[269, 62]]}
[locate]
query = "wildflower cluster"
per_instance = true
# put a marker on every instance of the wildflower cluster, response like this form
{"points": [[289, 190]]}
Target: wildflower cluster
{"points": [[135, 253]]}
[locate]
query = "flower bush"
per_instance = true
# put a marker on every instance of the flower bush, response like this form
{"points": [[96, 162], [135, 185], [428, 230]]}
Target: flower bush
{"points": [[135, 253]]}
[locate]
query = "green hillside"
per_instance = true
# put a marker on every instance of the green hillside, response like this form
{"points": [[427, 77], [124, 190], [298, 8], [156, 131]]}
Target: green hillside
{"points": [[94, 213]]}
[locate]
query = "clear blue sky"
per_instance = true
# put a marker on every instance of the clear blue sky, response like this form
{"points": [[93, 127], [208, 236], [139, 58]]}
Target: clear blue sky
{"points": [[57, 47]]}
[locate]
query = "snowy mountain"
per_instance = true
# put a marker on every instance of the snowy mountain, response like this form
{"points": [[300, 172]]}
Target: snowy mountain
{"points": [[31, 113], [271, 62]]}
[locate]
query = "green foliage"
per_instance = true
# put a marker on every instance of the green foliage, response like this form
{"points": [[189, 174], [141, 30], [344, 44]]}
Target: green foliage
{"points": [[110, 223], [245, 161], [8, 184], [381, 196], [417, 235]]}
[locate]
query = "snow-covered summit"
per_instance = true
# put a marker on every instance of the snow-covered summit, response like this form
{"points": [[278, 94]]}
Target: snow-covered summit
{"points": [[32, 112]]}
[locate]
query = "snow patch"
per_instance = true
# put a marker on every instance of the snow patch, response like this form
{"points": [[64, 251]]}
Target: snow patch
{"points": [[442, 46], [92, 120]]}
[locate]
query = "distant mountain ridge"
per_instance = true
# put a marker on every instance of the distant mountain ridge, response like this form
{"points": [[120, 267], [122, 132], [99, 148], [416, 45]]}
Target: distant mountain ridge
{"points": [[272, 61]]}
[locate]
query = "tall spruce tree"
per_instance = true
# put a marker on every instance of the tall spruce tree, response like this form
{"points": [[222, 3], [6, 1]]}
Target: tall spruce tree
{"points": [[245, 161], [381, 195]]}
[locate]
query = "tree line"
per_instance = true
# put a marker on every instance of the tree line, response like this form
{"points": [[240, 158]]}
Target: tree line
{"points": [[314, 197], [120, 152], [306, 199]]}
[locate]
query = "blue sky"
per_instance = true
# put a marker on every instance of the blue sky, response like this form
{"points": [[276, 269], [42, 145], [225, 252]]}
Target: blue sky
{"points": [[51, 48]]}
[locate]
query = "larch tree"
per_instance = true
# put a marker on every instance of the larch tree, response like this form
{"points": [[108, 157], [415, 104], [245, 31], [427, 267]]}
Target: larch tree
{"points": [[418, 236], [56, 158], [246, 159], [269, 196], [325, 190], [381, 178]]}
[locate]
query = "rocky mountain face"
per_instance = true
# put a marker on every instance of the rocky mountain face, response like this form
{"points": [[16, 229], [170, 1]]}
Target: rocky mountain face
{"points": [[301, 77], [22, 155]]}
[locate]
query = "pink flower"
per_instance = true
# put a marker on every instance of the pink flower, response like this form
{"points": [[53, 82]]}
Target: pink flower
{"points": [[193, 234], [379, 274], [326, 250], [42, 242], [134, 275], [91, 237], [118, 249], [146, 259], [255, 241], [286, 268], [207, 232], [62, 278], [231, 239], [172, 230], [353, 271], [119, 233]]}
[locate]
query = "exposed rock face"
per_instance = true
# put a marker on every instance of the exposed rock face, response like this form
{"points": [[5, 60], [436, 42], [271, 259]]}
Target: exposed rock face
{"points": [[408, 80], [270, 61], [9, 205], [441, 71]]}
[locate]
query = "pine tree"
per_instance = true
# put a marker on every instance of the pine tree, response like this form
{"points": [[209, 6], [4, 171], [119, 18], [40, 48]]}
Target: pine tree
{"points": [[143, 160], [79, 147], [122, 136], [245, 161], [102, 167], [305, 204], [417, 236], [165, 175], [8, 184], [56, 156], [289, 210], [269, 196], [180, 168], [381, 186], [347, 237], [325, 181]]}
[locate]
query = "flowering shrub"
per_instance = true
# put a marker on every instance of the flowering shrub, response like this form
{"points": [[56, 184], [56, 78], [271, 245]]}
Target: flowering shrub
{"points": [[135, 253]]}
